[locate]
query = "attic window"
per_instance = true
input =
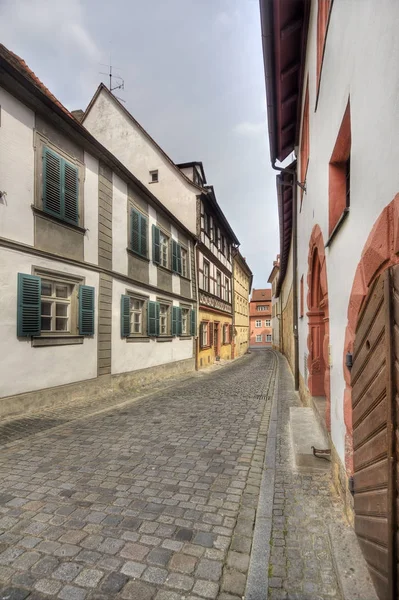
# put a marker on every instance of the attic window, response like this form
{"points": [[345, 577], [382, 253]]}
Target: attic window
{"points": [[154, 176]]}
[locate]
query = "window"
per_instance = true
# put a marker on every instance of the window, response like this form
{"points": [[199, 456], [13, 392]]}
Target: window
{"points": [[261, 308], [60, 187], [218, 284], [164, 328], [323, 11], [227, 290], [136, 316], [54, 305], [185, 316], [138, 233], [206, 276], [164, 250], [207, 224], [204, 334], [258, 338], [267, 323], [339, 174], [223, 244], [218, 239], [258, 323], [268, 338], [154, 176], [184, 271]]}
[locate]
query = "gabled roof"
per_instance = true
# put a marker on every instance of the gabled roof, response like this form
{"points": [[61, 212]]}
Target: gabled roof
{"points": [[22, 81], [261, 295], [210, 195], [194, 163], [103, 88]]}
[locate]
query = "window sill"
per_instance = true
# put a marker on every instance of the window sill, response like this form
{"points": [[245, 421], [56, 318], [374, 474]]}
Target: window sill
{"points": [[166, 269], [41, 213], [57, 340], [138, 339], [153, 181], [137, 255], [337, 227], [205, 347], [185, 337], [165, 338]]}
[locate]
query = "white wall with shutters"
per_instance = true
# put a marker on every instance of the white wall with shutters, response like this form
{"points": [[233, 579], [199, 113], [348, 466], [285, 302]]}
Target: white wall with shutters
{"points": [[91, 209], [126, 356], [109, 123], [175, 277], [24, 368], [120, 237], [16, 169], [153, 269]]}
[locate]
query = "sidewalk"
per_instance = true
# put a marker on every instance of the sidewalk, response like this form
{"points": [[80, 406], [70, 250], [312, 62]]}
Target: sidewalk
{"points": [[296, 510]]}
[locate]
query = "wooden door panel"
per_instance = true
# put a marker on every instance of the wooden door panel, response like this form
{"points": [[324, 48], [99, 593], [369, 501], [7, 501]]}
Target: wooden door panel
{"points": [[376, 363], [371, 503], [374, 529], [373, 477], [372, 395], [370, 339], [368, 313], [376, 555], [374, 449], [374, 420]]}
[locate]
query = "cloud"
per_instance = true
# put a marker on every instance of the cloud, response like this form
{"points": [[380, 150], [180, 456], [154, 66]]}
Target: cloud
{"points": [[48, 23], [248, 129]]}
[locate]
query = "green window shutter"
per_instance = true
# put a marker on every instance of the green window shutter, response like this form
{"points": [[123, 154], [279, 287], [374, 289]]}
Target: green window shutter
{"points": [[125, 315], [179, 322], [201, 334], [153, 318], [178, 253], [156, 251], [70, 192], [143, 236], [86, 310], [29, 305], [135, 231], [174, 256], [52, 182], [193, 323], [175, 317]]}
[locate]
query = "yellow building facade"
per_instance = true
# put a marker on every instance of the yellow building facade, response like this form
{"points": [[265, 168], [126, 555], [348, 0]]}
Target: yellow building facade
{"points": [[242, 284]]}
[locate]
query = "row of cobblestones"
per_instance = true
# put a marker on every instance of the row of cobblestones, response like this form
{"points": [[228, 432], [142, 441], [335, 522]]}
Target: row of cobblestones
{"points": [[155, 500], [301, 565]]}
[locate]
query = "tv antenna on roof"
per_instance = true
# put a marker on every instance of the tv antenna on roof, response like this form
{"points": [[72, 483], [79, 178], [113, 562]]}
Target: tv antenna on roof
{"points": [[119, 84]]}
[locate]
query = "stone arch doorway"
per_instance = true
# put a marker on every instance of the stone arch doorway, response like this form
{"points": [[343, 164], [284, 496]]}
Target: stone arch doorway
{"points": [[318, 322]]}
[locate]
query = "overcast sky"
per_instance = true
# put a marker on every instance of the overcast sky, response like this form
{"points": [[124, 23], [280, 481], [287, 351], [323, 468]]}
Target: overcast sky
{"points": [[193, 72]]}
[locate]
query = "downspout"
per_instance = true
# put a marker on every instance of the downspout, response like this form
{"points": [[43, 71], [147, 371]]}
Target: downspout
{"points": [[196, 275]]}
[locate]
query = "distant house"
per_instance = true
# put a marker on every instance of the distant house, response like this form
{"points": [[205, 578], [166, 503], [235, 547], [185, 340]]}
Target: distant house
{"points": [[242, 284], [260, 316], [98, 277], [276, 306]]}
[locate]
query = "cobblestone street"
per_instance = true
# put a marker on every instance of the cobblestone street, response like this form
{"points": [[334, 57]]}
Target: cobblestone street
{"points": [[157, 499]]}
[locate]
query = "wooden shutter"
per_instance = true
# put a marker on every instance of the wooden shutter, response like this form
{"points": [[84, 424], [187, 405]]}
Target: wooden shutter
{"points": [[153, 318], [179, 322], [29, 305], [52, 186], [143, 236], [125, 315], [175, 318], [70, 192], [174, 256], [135, 231], [156, 251], [193, 323], [178, 258], [210, 333], [86, 310], [201, 335]]}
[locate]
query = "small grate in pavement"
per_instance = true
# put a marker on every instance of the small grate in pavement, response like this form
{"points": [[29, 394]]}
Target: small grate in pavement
{"points": [[21, 428]]}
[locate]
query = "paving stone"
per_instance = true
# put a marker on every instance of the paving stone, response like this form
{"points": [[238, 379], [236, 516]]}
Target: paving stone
{"points": [[238, 561], [159, 556], [155, 575], [26, 560], [209, 569], [134, 551], [89, 578], [88, 556], [11, 593], [26, 580], [10, 555], [67, 550], [110, 563], [206, 589], [45, 566], [234, 582], [111, 545], [67, 571], [165, 595], [172, 545], [241, 544], [135, 590], [133, 569], [72, 537], [182, 563], [48, 586], [71, 592], [184, 535], [180, 582], [204, 539], [29, 541], [113, 583]]}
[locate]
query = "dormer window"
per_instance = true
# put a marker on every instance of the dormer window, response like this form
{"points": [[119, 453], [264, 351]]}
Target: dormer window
{"points": [[154, 176]]}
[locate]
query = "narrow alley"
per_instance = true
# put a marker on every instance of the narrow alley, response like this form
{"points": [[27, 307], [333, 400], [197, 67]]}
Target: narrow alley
{"points": [[158, 498]]}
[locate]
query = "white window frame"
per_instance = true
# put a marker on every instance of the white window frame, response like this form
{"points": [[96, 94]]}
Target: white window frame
{"points": [[258, 323], [163, 250], [227, 289], [205, 334], [267, 323], [218, 284], [184, 261], [258, 339], [53, 301], [137, 311], [205, 276], [268, 337], [154, 174], [164, 319], [185, 321]]}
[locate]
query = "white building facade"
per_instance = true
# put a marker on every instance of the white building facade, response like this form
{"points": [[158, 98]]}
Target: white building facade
{"points": [[98, 277]]}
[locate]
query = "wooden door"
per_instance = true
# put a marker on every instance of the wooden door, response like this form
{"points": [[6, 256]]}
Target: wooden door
{"points": [[374, 418]]}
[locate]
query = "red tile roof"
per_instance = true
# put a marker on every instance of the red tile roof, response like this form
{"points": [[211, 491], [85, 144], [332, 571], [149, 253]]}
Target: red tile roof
{"points": [[263, 294], [23, 68]]}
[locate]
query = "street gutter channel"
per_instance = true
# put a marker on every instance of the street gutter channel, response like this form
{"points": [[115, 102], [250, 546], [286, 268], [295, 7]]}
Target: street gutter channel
{"points": [[257, 587]]}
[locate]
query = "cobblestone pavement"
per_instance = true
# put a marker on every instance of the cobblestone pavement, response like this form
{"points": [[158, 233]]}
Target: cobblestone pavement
{"points": [[301, 566], [155, 500]]}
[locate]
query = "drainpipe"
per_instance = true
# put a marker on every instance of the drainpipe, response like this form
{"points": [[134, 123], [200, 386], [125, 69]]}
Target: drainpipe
{"points": [[196, 340], [295, 184]]}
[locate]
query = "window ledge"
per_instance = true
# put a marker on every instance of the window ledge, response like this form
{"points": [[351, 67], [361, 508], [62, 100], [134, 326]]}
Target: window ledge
{"points": [[137, 255], [166, 269], [337, 227], [41, 213], [165, 338], [185, 337], [154, 181], [137, 340], [57, 340]]}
